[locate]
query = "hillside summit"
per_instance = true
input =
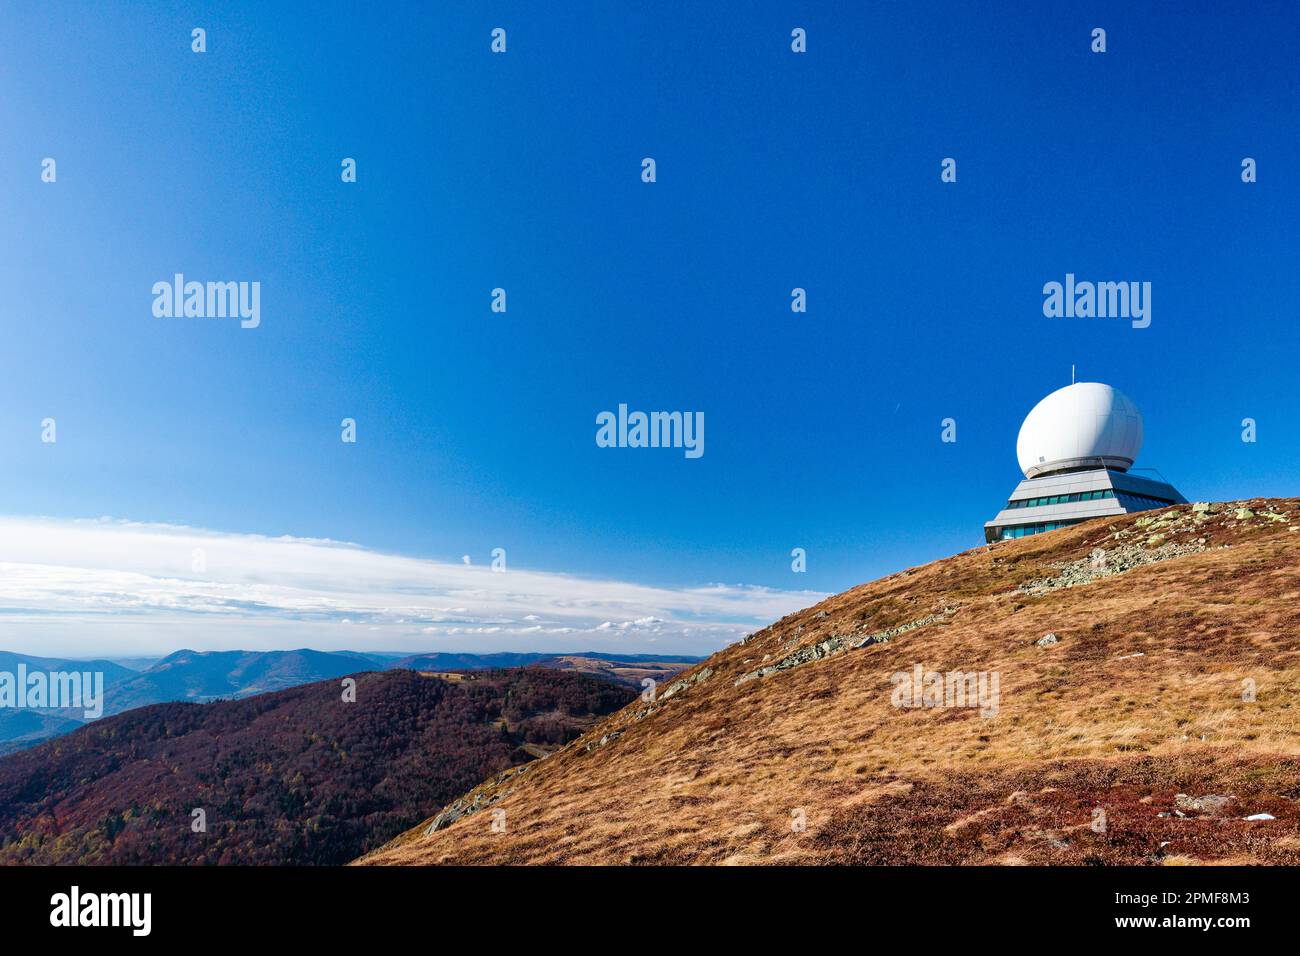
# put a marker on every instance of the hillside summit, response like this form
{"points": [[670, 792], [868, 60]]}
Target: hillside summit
{"points": [[1130, 701]]}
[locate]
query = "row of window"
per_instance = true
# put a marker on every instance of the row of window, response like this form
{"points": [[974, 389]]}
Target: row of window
{"points": [[1061, 499], [1024, 530], [1130, 500]]}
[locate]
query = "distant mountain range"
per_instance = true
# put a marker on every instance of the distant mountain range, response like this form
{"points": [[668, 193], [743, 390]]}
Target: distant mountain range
{"points": [[23, 727], [296, 776], [213, 675], [200, 676]]}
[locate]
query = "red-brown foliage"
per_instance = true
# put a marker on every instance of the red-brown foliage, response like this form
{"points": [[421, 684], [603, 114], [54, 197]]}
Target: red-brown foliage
{"points": [[296, 776]]}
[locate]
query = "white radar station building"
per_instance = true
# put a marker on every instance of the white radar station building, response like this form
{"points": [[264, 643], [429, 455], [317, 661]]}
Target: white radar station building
{"points": [[1076, 448]]}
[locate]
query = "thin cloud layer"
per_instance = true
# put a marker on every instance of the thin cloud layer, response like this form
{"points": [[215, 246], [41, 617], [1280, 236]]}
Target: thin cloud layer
{"points": [[119, 588]]}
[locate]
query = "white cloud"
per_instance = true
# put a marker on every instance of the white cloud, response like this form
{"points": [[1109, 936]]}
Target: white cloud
{"points": [[108, 587]]}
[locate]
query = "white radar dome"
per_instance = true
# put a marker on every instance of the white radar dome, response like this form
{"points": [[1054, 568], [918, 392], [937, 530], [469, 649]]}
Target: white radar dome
{"points": [[1085, 425]]}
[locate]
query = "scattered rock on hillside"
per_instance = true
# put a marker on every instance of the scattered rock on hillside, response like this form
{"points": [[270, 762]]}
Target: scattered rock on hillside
{"points": [[1124, 557], [884, 637], [460, 808], [1211, 804], [680, 685], [1047, 640], [838, 643], [607, 738], [481, 798], [814, 652]]}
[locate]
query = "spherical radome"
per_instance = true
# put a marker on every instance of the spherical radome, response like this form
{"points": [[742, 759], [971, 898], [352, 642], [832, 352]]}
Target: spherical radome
{"points": [[1083, 425]]}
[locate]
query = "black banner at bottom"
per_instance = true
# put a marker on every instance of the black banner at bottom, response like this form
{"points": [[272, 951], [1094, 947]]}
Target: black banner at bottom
{"points": [[332, 905]]}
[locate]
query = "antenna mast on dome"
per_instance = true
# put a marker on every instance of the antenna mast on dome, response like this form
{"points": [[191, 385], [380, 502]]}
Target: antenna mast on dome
{"points": [[1071, 374]]}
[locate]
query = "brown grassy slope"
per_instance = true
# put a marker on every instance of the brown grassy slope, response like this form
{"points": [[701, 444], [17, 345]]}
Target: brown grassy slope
{"points": [[1141, 700]]}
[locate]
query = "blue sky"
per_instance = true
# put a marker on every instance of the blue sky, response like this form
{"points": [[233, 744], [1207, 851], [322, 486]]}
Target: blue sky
{"points": [[522, 171]]}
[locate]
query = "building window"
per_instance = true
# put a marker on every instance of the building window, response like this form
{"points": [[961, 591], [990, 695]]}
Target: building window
{"points": [[1025, 530], [1141, 502], [1062, 499]]}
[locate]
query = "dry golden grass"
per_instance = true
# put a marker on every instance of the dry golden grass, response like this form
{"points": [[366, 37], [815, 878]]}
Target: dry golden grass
{"points": [[1141, 699]]}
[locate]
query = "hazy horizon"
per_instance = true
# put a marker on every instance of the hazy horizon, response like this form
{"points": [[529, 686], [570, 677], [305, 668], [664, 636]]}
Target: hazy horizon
{"points": [[96, 588], [149, 660]]}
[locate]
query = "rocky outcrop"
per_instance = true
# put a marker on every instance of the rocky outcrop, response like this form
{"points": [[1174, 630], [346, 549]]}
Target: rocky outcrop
{"points": [[605, 739], [473, 802], [1115, 561], [838, 643], [1167, 534], [884, 637], [814, 652], [1212, 804], [677, 686]]}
